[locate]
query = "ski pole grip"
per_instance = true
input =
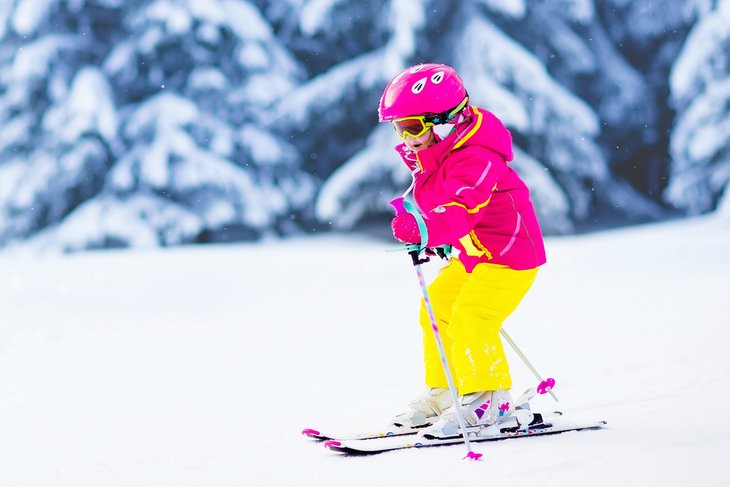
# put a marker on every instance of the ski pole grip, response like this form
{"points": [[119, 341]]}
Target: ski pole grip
{"points": [[397, 204]]}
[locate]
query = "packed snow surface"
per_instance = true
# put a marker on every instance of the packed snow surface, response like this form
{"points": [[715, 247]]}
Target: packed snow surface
{"points": [[200, 366]]}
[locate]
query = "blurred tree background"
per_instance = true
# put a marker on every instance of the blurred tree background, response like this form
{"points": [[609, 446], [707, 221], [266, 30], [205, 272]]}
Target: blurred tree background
{"points": [[163, 122]]}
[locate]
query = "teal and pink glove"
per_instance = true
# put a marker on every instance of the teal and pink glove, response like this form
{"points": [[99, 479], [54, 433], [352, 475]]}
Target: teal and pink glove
{"points": [[404, 225], [405, 228]]}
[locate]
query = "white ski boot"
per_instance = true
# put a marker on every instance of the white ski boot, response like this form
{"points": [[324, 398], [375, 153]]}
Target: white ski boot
{"points": [[425, 409], [480, 409]]}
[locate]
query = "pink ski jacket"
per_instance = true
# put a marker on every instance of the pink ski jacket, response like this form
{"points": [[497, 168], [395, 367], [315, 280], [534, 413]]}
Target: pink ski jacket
{"points": [[471, 199]]}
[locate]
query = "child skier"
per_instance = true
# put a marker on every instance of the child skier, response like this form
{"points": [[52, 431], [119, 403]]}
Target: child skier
{"points": [[472, 200]]}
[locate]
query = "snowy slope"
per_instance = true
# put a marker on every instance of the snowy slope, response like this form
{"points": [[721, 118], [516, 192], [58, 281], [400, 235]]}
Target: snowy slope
{"points": [[200, 366]]}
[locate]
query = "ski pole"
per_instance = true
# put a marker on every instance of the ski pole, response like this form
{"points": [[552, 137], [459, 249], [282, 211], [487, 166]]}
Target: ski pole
{"points": [[442, 354], [524, 359], [414, 251]]}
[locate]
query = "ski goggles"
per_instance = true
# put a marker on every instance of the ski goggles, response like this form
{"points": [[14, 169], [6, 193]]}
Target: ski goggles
{"points": [[414, 126], [417, 125]]}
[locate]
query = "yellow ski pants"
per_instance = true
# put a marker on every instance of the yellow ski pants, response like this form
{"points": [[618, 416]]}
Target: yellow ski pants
{"points": [[470, 309]]}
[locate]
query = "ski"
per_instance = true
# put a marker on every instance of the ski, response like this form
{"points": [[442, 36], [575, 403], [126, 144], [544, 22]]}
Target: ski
{"points": [[392, 430], [549, 425], [387, 432]]}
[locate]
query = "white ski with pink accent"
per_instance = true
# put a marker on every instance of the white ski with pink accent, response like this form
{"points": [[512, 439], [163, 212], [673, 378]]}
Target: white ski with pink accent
{"points": [[523, 422], [508, 429]]}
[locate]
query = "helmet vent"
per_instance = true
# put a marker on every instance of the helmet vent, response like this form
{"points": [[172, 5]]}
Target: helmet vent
{"points": [[437, 77], [418, 86]]}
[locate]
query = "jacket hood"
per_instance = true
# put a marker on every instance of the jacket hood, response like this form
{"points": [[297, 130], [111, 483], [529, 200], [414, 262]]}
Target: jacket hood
{"points": [[487, 130]]}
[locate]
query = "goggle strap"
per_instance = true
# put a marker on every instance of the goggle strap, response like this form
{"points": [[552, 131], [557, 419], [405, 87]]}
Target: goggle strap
{"points": [[448, 115]]}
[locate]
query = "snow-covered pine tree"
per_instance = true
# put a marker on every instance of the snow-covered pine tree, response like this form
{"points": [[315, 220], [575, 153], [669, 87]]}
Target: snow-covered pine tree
{"points": [[58, 122], [197, 77], [647, 36], [173, 92], [700, 90], [574, 42]]}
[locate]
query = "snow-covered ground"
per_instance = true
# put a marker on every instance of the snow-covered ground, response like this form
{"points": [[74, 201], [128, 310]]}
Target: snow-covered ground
{"points": [[200, 366]]}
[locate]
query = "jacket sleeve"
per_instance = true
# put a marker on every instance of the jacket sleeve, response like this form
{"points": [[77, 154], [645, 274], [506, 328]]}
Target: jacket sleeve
{"points": [[471, 178]]}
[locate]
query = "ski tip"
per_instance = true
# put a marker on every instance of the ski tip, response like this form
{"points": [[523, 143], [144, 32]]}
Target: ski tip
{"points": [[332, 444], [546, 386], [310, 432], [473, 456]]}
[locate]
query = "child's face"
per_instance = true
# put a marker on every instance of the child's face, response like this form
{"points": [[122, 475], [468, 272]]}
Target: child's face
{"points": [[423, 142]]}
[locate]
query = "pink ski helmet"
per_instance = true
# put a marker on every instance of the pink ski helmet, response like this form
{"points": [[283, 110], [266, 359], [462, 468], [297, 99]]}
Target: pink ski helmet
{"points": [[423, 89]]}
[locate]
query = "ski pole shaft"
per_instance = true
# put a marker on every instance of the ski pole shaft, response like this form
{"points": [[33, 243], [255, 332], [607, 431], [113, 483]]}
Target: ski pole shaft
{"points": [[444, 360], [524, 359]]}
